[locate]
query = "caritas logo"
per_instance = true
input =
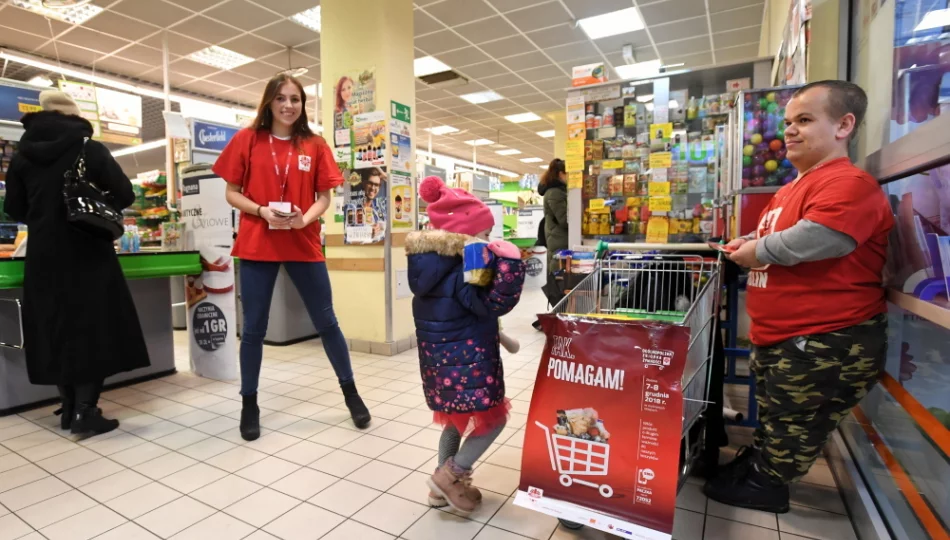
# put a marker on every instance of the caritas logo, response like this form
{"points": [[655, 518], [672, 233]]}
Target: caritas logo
{"points": [[535, 493]]}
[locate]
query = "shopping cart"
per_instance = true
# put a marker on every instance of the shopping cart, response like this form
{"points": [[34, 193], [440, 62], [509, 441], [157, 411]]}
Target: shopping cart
{"points": [[666, 288], [572, 457]]}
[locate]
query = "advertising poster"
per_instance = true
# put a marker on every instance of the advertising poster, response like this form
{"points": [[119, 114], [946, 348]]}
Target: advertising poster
{"points": [[402, 200], [369, 140], [574, 158], [602, 442], [210, 296], [16, 102], [401, 144], [84, 94], [365, 206], [354, 93], [432, 170], [120, 116], [661, 137]]}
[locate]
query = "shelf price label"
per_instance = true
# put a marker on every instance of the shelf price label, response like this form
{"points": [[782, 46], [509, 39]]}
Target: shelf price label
{"points": [[661, 204], [658, 230], [658, 189], [661, 160], [575, 180]]}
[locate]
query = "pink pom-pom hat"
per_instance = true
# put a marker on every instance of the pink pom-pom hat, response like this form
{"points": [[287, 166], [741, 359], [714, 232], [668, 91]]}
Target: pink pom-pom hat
{"points": [[455, 210]]}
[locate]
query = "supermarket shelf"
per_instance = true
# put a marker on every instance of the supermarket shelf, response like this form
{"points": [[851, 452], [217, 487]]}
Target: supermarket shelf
{"points": [[937, 313]]}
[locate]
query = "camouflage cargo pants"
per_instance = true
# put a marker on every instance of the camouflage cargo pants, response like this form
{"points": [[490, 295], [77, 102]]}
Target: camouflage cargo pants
{"points": [[806, 385]]}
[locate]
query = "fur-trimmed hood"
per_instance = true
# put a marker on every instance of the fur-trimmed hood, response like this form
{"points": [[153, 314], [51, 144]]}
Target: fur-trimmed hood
{"points": [[444, 243]]}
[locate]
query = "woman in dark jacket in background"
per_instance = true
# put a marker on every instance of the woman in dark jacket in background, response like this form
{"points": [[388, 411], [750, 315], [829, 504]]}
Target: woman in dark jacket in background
{"points": [[79, 321], [553, 188]]}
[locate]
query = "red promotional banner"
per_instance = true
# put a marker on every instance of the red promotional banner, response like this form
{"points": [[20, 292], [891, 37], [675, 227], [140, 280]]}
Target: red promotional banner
{"points": [[602, 443]]}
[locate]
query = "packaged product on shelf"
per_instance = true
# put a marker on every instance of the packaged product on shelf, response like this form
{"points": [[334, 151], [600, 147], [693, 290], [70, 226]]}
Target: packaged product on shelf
{"points": [[603, 185], [697, 180], [608, 120], [630, 188], [629, 148], [643, 184], [630, 114], [615, 188], [597, 150], [614, 148], [590, 187], [632, 166], [641, 115]]}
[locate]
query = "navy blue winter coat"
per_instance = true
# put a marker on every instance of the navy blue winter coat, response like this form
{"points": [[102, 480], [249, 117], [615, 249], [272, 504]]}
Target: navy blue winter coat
{"points": [[457, 324]]}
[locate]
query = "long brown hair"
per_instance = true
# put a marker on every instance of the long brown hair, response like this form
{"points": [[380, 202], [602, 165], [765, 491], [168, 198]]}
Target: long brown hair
{"points": [[552, 176], [265, 118]]}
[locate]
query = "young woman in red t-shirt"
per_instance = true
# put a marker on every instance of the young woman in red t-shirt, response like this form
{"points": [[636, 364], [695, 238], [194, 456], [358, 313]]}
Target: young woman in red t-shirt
{"points": [[279, 175]]}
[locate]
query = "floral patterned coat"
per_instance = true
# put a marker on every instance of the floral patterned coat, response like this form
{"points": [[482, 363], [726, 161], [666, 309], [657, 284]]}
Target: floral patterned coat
{"points": [[457, 327]]}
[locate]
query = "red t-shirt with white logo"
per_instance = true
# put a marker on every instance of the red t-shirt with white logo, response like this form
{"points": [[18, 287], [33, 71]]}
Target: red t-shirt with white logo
{"points": [[823, 296], [248, 161]]}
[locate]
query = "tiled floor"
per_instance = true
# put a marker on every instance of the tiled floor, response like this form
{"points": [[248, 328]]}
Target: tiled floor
{"points": [[178, 468]]}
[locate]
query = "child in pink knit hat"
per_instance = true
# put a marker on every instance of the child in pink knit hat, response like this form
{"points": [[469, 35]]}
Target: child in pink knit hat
{"points": [[457, 329]]}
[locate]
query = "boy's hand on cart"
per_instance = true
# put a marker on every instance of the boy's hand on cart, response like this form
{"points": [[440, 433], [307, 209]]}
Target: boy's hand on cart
{"points": [[505, 250], [744, 255]]}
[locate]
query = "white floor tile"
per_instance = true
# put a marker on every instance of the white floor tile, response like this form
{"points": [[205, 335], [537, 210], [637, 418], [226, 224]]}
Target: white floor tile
{"points": [[236, 459], [113, 486], [304, 483], [11, 461], [724, 529], [407, 455], [268, 470], [47, 450], [17, 430], [158, 430], [195, 477], [491, 503], [32, 493], [497, 479], [305, 522], [118, 443], [507, 457], [207, 448], [21, 476], [336, 437], [379, 475], [687, 525], [413, 488], [225, 492], [750, 517], [273, 442], [391, 514], [304, 428], [491, 533], [220, 526], [128, 531], [90, 472], [351, 529], [524, 522], [437, 525], [345, 498], [181, 439], [139, 454], [29, 440], [143, 500], [175, 517], [165, 465], [339, 463], [818, 524], [304, 453], [217, 425], [370, 446], [262, 507], [85, 525], [56, 509]]}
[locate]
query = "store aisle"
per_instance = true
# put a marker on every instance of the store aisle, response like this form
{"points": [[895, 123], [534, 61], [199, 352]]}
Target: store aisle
{"points": [[178, 468]]}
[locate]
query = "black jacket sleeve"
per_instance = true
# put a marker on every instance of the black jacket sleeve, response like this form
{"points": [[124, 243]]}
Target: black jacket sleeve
{"points": [[105, 172], [17, 202]]}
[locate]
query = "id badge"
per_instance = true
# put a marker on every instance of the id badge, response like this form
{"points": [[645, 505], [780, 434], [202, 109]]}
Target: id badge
{"points": [[280, 208]]}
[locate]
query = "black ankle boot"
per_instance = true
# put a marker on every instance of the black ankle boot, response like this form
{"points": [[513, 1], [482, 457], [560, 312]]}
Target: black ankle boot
{"points": [[68, 396], [89, 419], [354, 403], [749, 487], [250, 418]]}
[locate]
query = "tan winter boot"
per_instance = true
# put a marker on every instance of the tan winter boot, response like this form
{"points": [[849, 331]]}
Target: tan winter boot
{"points": [[450, 486], [471, 491]]}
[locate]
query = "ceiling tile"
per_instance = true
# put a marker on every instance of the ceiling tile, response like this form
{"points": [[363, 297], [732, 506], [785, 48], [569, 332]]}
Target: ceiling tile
{"points": [[122, 67], [294, 59], [557, 35], [431, 93], [463, 57], [442, 41], [26, 21], [553, 84], [498, 105], [485, 69], [310, 49], [251, 45], [191, 68], [20, 40], [141, 53], [243, 14], [574, 51], [194, 5], [464, 109], [570, 65], [76, 55], [176, 79], [585, 8], [671, 10], [464, 89], [541, 73], [486, 30], [231, 79], [424, 24], [737, 18], [287, 33], [693, 60], [177, 44], [511, 5], [642, 54], [456, 12], [521, 89], [157, 12], [526, 61], [683, 47], [737, 37], [723, 5], [533, 99], [289, 7], [535, 18], [449, 102], [509, 46], [735, 54], [120, 26], [206, 29], [424, 108], [257, 70], [616, 43], [683, 29], [205, 87], [497, 82], [93, 40]]}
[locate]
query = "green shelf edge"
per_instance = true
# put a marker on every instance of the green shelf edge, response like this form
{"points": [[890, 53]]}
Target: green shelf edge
{"points": [[149, 266]]}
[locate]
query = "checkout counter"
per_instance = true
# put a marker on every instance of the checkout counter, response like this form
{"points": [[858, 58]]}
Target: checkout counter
{"points": [[148, 277]]}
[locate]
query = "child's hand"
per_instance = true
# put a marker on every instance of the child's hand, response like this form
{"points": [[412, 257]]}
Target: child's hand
{"points": [[505, 250]]}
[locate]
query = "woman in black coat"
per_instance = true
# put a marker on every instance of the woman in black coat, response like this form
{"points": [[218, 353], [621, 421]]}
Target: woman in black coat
{"points": [[79, 322]]}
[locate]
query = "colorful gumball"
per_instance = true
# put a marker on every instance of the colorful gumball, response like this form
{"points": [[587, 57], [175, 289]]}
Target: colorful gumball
{"points": [[772, 108], [770, 135], [781, 153], [758, 159], [771, 165], [746, 161], [758, 170], [746, 182], [756, 138], [775, 145], [761, 147], [763, 103], [787, 163], [770, 97], [748, 150], [773, 180], [780, 134], [790, 178], [752, 125], [758, 181], [746, 172]]}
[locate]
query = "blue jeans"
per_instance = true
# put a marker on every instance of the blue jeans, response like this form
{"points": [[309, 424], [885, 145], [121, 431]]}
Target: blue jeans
{"points": [[257, 290]]}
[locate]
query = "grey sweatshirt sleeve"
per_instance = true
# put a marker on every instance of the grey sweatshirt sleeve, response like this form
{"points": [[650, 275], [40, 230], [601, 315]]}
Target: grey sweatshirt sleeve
{"points": [[806, 241]]}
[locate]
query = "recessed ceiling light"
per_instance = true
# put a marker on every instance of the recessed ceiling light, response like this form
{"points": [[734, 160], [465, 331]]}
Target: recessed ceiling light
{"points": [[480, 142], [442, 130], [428, 65], [532, 160], [639, 70], [297, 72], [40, 80], [310, 19], [546, 134], [545, 167], [679, 64], [74, 14], [508, 152], [478, 98], [310, 90], [611, 24], [645, 98], [937, 18], [220, 57], [522, 118]]}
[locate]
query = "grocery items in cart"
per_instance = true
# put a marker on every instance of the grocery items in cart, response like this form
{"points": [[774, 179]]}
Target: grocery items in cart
{"points": [[149, 210]]}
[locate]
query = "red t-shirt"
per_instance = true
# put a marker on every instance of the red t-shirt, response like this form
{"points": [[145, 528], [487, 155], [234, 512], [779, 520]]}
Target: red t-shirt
{"points": [[823, 296], [247, 161]]}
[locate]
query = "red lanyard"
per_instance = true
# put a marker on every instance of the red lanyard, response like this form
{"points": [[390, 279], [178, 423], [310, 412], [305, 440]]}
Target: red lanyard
{"points": [[286, 176]]}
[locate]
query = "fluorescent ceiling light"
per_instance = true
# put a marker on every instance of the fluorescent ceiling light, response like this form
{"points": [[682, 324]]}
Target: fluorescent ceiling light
{"points": [[546, 134], [479, 142], [668, 66], [613, 23], [937, 18], [508, 152], [442, 130], [522, 118], [532, 160], [428, 65], [220, 57], [478, 98], [73, 15], [309, 19], [544, 167], [645, 98], [40, 80], [639, 70], [140, 148]]}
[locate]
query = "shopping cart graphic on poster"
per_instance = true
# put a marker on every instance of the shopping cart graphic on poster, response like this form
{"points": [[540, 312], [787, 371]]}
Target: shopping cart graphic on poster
{"points": [[572, 457]]}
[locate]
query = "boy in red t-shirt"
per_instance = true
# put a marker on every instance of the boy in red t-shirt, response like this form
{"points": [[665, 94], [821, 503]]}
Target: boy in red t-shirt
{"points": [[815, 298]]}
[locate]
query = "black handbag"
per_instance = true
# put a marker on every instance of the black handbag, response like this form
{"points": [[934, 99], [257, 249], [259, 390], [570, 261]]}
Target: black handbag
{"points": [[89, 208]]}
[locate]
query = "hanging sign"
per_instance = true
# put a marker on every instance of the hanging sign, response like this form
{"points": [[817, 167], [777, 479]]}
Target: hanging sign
{"points": [[120, 116], [211, 137], [16, 101]]}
